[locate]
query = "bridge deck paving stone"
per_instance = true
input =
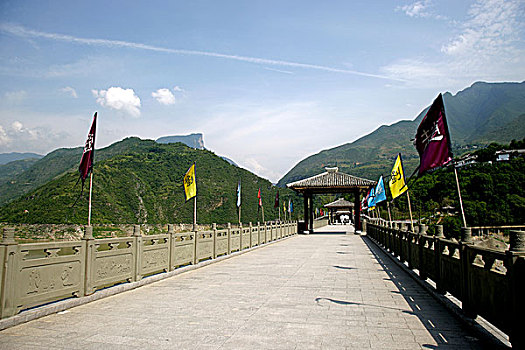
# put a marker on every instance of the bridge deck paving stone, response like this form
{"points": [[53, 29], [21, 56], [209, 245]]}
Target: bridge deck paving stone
{"points": [[325, 291]]}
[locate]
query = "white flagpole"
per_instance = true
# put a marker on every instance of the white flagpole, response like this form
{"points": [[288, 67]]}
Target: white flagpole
{"points": [[195, 214], [90, 192], [410, 210], [459, 194], [389, 216]]}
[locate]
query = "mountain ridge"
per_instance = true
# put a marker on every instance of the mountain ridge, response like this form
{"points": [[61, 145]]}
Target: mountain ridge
{"points": [[478, 115], [14, 156], [195, 140], [143, 184]]}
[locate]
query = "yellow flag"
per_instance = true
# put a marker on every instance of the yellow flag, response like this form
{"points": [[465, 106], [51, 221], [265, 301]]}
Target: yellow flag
{"points": [[190, 183], [397, 179]]}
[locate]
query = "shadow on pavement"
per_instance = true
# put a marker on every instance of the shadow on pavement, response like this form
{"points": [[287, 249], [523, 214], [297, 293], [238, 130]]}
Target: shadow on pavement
{"points": [[435, 325], [344, 267], [342, 302]]}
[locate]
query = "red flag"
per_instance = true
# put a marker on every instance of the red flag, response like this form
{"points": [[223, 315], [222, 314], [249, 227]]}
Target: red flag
{"points": [[86, 162], [259, 196], [276, 205], [432, 138]]}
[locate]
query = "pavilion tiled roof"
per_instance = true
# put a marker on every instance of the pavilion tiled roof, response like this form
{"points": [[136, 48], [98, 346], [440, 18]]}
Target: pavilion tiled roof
{"points": [[332, 178], [340, 203]]}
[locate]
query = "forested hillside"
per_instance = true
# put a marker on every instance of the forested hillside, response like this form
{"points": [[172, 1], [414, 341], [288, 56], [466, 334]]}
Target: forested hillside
{"points": [[144, 185], [477, 116]]}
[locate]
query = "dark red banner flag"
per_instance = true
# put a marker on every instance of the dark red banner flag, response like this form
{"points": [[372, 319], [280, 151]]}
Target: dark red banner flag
{"points": [[276, 204], [432, 138], [86, 162]]}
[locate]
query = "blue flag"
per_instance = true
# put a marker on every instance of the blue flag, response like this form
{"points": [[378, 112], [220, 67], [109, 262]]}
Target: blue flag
{"points": [[380, 194], [239, 194], [371, 198]]}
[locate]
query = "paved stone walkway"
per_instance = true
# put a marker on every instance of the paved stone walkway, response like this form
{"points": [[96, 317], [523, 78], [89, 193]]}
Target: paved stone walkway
{"points": [[322, 291]]}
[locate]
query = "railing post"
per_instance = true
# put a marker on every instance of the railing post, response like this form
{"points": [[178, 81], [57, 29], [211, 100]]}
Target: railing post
{"points": [[171, 239], [258, 233], [137, 241], [439, 231], [517, 241], [89, 248], [8, 281], [251, 228], [410, 238], [438, 251], [195, 242], [466, 263], [466, 235], [229, 238], [214, 229], [240, 236], [421, 245], [363, 226], [516, 272]]}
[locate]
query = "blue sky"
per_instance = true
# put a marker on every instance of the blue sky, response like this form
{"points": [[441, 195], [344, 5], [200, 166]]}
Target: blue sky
{"points": [[267, 82]]}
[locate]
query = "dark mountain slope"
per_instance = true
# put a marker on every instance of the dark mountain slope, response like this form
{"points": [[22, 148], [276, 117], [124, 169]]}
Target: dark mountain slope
{"points": [[478, 115]]}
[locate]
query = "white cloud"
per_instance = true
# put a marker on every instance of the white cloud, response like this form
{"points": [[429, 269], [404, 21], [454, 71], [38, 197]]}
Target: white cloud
{"points": [[69, 90], [164, 96], [491, 30], [17, 137], [178, 89], [28, 33], [278, 70], [17, 126], [15, 97], [268, 138], [4, 138], [119, 99], [417, 9], [420, 9], [485, 47]]}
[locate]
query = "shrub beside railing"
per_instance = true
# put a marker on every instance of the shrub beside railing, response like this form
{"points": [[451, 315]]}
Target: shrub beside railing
{"points": [[489, 283], [38, 273]]}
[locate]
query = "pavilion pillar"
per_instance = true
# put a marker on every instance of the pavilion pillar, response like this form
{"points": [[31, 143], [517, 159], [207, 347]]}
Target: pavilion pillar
{"points": [[311, 205], [357, 211], [306, 211]]}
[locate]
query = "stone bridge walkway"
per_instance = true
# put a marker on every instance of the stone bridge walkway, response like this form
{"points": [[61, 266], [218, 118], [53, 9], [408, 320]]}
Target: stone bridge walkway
{"points": [[322, 291]]}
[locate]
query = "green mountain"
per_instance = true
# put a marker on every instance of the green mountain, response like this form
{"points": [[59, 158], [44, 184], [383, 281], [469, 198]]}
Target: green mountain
{"points": [[13, 156], [492, 193], [477, 116], [11, 170], [143, 184], [192, 140], [54, 164]]}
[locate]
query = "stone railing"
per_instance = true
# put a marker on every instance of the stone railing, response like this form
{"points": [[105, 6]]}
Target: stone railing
{"points": [[38, 273], [489, 283], [486, 230], [321, 222]]}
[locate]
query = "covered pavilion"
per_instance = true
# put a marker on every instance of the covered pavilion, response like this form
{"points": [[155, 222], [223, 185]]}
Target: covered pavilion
{"points": [[338, 208], [331, 181]]}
